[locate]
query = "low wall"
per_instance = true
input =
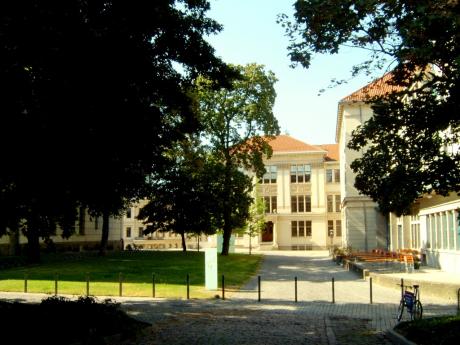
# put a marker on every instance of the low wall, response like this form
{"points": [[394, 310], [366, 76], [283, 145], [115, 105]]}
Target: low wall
{"points": [[427, 288]]}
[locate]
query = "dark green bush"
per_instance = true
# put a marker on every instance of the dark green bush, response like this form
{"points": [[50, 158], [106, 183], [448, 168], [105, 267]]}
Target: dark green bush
{"points": [[58, 320]]}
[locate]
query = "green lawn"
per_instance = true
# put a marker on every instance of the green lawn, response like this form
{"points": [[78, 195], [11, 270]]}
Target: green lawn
{"points": [[170, 269]]}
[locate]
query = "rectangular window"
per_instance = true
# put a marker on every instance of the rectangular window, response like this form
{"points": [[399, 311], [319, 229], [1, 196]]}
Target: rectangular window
{"points": [[301, 203], [329, 175], [293, 173], [307, 203], [433, 231], [428, 232], [336, 175], [128, 232], [128, 213], [270, 174], [457, 226], [438, 231], [307, 172], [273, 173], [337, 203], [141, 232], [444, 230], [330, 203], [330, 228], [294, 228], [308, 228], [451, 229], [300, 173], [338, 228], [301, 228], [293, 204], [267, 204], [274, 206]]}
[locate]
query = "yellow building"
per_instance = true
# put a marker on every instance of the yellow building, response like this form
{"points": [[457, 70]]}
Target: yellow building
{"points": [[134, 238], [433, 227], [301, 190], [88, 231], [365, 228]]}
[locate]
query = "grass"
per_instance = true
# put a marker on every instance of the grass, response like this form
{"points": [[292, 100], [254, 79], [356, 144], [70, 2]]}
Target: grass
{"points": [[437, 330], [169, 267]]}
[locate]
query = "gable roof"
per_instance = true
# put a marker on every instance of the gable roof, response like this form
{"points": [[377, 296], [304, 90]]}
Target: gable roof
{"points": [[332, 152], [379, 87], [288, 144]]}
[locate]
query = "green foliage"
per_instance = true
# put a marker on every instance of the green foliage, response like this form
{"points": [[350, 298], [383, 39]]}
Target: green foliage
{"points": [[235, 123], [411, 143], [84, 320], [91, 98], [183, 197], [436, 330], [255, 223]]}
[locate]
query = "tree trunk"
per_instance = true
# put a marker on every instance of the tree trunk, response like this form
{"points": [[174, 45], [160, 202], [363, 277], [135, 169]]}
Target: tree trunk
{"points": [[227, 227], [105, 233], [226, 238], [184, 245], [250, 243], [33, 247]]}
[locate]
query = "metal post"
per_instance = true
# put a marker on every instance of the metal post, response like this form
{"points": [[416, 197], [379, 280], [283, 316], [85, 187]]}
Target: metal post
{"points": [[295, 288], [458, 301], [153, 285], [258, 281], [26, 276], [223, 286], [402, 287], [55, 284], [188, 286], [87, 284], [370, 289], [120, 280], [333, 290]]}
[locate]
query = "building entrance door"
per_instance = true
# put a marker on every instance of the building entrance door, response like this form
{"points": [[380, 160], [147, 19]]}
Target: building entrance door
{"points": [[267, 233]]}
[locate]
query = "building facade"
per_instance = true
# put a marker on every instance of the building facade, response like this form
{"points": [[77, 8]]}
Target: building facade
{"points": [[87, 236], [134, 238], [365, 228], [301, 190]]}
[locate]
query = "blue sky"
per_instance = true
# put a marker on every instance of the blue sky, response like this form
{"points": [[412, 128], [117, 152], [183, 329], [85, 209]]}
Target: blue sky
{"points": [[251, 34]]}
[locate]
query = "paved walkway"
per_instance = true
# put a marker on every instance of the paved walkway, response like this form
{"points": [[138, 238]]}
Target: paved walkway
{"points": [[277, 318]]}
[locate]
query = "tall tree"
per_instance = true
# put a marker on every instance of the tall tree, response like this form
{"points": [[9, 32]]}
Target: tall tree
{"points": [[182, 198], [411, 142], [235, 123], [255, 223], [92, 93]]}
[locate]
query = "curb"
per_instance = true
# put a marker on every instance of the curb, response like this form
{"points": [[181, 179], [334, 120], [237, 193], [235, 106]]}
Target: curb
{"points": [[398, 338]]}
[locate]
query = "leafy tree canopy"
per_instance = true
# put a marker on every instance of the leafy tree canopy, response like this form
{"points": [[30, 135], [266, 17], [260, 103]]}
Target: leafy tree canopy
{"points": [[92, 94], [236, 122], [411, 142]]}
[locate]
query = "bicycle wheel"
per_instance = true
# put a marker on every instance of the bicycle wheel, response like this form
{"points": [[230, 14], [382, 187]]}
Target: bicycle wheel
{"points": [[418, 311], [400, 310]]}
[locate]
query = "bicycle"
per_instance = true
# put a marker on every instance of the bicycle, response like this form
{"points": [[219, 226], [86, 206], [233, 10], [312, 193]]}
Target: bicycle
{"points": [[411, 301]]}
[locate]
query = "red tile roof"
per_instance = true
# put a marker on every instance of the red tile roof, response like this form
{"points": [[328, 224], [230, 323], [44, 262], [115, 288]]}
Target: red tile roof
{"points": [[285, 143], [378, 87], [332, 152]]}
